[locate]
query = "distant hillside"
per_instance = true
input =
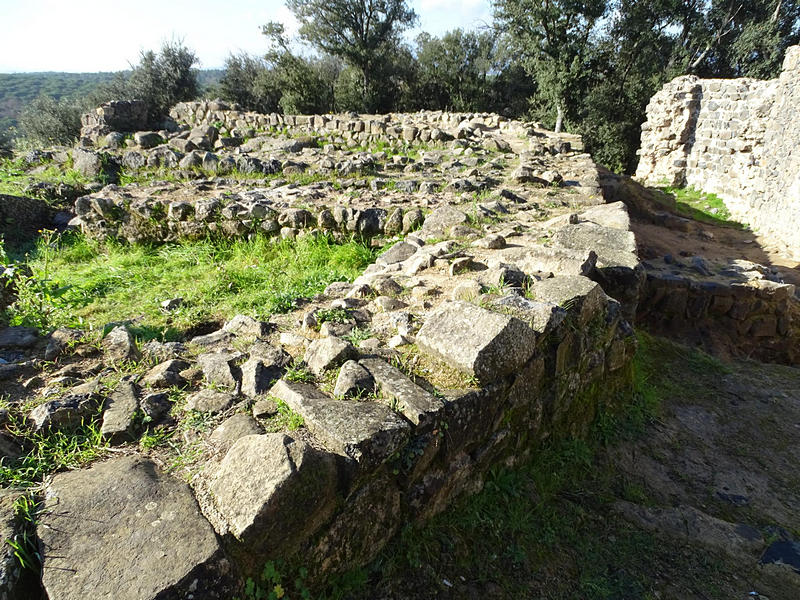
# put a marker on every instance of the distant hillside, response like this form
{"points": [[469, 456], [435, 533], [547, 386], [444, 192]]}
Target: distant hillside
{"points": [[18, 89]]}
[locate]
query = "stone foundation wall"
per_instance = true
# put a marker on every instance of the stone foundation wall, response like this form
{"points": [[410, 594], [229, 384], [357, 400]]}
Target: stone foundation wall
{"points": [[424, 126], [733, 308], [736, 138]]}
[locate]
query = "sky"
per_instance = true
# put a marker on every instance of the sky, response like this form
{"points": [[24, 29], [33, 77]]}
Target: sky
{"points": [[95, 35]]}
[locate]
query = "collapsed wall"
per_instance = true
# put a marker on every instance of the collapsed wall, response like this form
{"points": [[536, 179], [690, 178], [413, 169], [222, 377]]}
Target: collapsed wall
{"points": [[736, 138]]}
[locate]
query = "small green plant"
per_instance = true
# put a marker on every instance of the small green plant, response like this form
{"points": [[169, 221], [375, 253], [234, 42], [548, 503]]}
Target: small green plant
{"points": [[271, 584], [51, 451], [24, 544], [297, 372], [155, 438], [332, 315]]}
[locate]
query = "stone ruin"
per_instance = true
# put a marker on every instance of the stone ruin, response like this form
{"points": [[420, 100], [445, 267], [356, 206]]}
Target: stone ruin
{"points": [[736, 138], [499, 317]]}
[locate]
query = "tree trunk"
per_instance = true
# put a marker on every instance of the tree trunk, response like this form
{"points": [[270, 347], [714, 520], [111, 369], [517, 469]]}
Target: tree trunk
{"points": [[559, 117]]}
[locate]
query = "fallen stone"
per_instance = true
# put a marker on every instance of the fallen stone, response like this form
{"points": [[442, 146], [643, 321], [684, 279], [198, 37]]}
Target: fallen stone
{"points": [[270, 493], [442, 220], [122, 529], [353, 381], [166, 374], [217, 369], [61, 339], [417, 405], [366, 432], [258, 376], [328, 353], [156, 406], [18, 337], [476, 341], [244, 326], [120, 414], [64, 413], [235, 427], [209, 401], [397, 253], [119, 346]]}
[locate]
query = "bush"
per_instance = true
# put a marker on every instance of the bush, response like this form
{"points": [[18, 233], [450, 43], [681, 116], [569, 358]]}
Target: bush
{"points": [[159, 80], [47, 121]]}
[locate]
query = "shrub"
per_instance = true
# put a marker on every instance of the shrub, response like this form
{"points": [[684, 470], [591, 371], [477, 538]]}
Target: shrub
{"points": [[47, 121]]}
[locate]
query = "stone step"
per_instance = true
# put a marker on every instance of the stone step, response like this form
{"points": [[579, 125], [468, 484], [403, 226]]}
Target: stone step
{"points": [[417, 405], [367, 432]]}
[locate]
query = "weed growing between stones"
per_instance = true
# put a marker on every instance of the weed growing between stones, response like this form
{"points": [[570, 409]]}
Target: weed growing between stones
{"points": [[50, 451], [79, 283]]}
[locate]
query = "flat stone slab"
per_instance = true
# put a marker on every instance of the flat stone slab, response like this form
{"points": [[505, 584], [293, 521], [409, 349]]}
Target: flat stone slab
{"points": [[476, 341], [271, 490], [122, 529], [367, 432], [417, 405], [574, 293]]}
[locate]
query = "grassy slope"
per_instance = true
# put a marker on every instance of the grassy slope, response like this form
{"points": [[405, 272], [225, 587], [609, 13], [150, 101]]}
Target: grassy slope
{"points": [[84, 284]]}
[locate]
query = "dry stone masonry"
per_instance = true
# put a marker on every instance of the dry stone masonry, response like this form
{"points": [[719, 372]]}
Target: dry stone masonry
{"points": [[736, 138]]}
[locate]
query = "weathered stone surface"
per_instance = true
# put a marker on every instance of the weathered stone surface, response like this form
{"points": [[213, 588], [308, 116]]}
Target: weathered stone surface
{"points": [[60, 340], [166, 374], [209, 401], [353, 380], [123, 529], [417, 405], [10, 569], [397, 253], [367, 432], [575, 294], [64, 413], [442, 220], [242, 325], [270, 492], [327, 353], [120, 413], [18, 337], [542, 317], [476, 341], [119, 346], [235, 427], [258, 374], [217, 369], [367, 523]]}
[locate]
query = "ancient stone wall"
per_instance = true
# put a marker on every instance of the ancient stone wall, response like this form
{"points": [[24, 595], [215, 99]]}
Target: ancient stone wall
{"points": [[736, 138], [739, 307], [424, 126], [118, 115]]}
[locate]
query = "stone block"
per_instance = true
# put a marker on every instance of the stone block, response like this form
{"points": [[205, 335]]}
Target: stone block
{"points": [[476, 341]]}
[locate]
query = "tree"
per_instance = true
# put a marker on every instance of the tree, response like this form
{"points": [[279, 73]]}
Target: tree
{"points": [[251, 82], [363, 33], [554, 38], [456, 70], [159, 80]]}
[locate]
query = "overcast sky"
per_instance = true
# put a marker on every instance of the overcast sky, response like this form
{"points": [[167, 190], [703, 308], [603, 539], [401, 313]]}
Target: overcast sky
{"points": [[95, 35]]}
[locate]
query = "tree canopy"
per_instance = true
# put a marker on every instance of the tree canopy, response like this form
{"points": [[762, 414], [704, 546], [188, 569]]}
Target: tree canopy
{"points": [[363, 33]]}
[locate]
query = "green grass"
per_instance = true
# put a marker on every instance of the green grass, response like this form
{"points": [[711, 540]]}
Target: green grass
{"points": [[702, 206], [80, 283], [49, 452], [14, 178]]}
